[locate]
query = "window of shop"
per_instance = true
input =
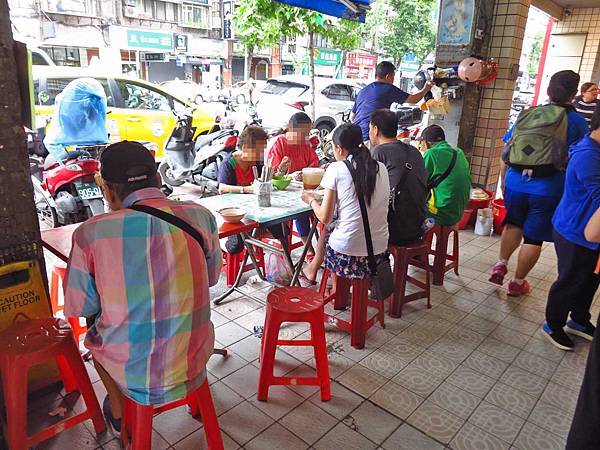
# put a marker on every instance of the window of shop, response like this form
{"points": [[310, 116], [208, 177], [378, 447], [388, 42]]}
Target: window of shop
{"points": [[75, 7], [136, 96], [64, 56], [195, 16]]}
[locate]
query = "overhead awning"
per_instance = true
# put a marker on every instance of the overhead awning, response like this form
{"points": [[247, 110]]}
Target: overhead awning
{"points": [[345, 9]]}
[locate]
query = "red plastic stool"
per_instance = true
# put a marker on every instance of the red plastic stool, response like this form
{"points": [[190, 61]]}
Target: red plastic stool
{"points": [[439, 266], [56, 281], [31, 342], [234, 260], [293, 304], [136, 429], [359, 323], [409, 255]]}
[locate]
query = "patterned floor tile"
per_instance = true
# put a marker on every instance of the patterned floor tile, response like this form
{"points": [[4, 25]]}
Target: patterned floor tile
{"points": [[397, 400], [455, 400], [451, 349], [465, 336], [568, 376], [471, 381], [485, 364], [561, 397], [418, 380], [551, 418], [533, 437], [372, 421], [470, 294], [384, 363], [362, 380], [344, 438], [491, 314], [221, 367], [436, 422], [244, 422], [244, 381], [511, 400], [524, 381], [308, 422], [520, 325], [526, 312], [434, 364], [497, 349], [471, 437], [281, 401], [536, 364], [448, 313], [230, 333], [273, 437], [224, 397], [462, 304], [478, 324], [338, 364], [342, 402], [510, 336], [409, 438], [402, 349], [497, 421], [237, 307]]}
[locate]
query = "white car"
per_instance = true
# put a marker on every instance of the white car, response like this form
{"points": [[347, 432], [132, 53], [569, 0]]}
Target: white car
{"points": [[283, 96], [190, 91]]}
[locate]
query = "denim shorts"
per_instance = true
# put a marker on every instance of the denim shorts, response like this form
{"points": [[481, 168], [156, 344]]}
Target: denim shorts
{"points": [[531, 213]]}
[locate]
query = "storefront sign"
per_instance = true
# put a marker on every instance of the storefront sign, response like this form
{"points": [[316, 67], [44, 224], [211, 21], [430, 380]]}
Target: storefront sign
{"points": [[327, 57], [181, 43], [152, 40], [227, 18], [154, 57], [355, 59]]}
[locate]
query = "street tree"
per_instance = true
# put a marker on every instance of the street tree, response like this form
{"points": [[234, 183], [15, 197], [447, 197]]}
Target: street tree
{"points": [[265, 23], [398, 27]]}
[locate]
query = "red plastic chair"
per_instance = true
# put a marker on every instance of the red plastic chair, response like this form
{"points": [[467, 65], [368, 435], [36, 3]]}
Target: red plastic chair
{"points": [[136, 429], [410, 255], [31, 342], [440, 252], [359, 323], [293, 304], [56, 281]]}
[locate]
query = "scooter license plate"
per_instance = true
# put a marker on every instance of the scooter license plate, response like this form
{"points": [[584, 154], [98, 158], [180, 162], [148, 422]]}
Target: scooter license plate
{"points": [[89, 191]]}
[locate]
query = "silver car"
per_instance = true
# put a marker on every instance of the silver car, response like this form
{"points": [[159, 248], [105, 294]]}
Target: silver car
{"points": [[283, 96]]}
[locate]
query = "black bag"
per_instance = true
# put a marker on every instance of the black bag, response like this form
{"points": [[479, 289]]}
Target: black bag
{"points": [[434, 182], [382, 279], [406, 211], [173, 220]]}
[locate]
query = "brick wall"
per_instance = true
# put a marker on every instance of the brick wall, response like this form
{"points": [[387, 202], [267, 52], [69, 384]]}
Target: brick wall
{"points": [[586, 20], [508, 31]]}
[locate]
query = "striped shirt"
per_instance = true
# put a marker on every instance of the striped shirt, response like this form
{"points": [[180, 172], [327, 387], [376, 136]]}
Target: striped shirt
{"points": [[144, 284], [585, 109]]}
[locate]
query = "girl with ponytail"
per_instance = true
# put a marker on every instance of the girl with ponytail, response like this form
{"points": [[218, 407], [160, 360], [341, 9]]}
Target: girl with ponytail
{"points": [[346, 249]]}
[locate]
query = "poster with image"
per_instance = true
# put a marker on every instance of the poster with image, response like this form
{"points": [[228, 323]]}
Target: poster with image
{"points": [[456, 22]]}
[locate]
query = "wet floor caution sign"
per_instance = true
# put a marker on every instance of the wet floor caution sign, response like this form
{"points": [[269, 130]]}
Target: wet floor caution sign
{"points": [[23, 294]]}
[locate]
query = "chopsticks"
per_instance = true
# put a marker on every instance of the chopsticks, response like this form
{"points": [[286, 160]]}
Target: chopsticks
{"points": [[266, 174]]}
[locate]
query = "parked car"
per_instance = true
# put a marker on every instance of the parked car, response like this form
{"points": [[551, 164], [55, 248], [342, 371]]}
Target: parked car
{"points": [[283, 96], [190, 91], [240, 91], [137, 110]]}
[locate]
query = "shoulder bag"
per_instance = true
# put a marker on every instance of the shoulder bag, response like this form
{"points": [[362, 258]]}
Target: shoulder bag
{"points": [[382, 280]]}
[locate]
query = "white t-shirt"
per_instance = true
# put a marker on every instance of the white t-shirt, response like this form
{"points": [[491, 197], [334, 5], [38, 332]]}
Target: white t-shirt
{"points": [[348, 236]]}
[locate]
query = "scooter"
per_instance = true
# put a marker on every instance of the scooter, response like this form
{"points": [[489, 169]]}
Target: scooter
{"points": [[66, 192]]}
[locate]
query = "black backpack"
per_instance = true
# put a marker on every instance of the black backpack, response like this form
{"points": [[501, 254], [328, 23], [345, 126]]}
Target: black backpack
{"points": [[406, 211]]}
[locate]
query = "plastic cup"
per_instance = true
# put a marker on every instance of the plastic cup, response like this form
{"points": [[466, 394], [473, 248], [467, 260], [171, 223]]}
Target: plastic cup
{"points": [[311, 177]]}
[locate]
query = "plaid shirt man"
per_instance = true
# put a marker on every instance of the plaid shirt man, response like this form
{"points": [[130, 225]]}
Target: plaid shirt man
{"points": [[144, 283]]}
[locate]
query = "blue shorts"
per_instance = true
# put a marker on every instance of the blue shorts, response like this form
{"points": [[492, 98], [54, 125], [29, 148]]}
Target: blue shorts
{"points": [[303, 226], [531, 213]]}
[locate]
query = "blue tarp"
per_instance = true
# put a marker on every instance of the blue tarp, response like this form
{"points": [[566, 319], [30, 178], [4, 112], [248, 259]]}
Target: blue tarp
{"points": [[333, 7], [79, 118]]}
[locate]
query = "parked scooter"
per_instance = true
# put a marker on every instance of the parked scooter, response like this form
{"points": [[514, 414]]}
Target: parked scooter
{"points": [[65, 190]]}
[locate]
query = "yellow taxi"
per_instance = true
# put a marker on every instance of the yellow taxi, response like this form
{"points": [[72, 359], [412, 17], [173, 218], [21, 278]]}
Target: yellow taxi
{"points": [[137, 110]]}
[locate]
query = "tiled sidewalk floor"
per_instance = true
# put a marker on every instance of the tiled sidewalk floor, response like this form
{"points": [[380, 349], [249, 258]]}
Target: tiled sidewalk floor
{"points": [[472, 373]]}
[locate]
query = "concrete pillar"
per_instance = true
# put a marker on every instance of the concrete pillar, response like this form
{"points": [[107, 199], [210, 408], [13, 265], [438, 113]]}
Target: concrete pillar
{"points": [[508, 31]]}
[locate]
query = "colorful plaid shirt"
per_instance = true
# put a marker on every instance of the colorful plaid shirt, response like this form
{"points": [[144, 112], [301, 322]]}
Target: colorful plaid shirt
{"points": [[144, 283]]}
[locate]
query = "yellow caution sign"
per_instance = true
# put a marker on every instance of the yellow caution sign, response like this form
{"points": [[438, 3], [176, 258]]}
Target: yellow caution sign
{"points": [[22, 291]]}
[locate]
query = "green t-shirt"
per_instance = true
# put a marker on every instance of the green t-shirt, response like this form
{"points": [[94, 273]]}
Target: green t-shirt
{"points": [[448, 200]]}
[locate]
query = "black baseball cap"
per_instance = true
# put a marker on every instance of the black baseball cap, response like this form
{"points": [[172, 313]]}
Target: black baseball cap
{"points": [[433, 133], [126, 162]]}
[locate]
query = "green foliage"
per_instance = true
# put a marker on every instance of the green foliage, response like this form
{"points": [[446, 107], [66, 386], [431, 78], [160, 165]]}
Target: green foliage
{"points": [[403, 26], [264, 23], [535, 54]]}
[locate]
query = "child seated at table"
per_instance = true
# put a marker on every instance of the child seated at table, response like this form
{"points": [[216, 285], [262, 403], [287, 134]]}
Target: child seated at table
{"points": [[294, 144], [236, 174]]}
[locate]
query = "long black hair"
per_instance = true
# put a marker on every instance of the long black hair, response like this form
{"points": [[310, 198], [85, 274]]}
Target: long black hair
{"points": [[349, 137]]}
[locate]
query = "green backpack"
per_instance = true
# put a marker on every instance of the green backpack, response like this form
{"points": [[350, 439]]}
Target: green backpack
{"points": [[539, 140]]}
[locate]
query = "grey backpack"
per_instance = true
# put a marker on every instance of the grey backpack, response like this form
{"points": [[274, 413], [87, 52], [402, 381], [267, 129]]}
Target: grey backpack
{"points": [[539, 140]]}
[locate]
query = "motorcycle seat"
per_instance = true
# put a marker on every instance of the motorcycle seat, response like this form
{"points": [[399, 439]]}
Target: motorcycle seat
{"points": [[51, 160]]}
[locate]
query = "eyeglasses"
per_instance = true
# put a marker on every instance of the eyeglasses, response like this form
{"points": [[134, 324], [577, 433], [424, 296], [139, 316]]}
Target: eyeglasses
{"points": [[99, 181]]}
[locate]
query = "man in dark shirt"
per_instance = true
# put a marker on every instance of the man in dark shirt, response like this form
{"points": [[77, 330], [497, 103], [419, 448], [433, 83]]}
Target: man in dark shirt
{"points": [[399, 158], [381, 94]]}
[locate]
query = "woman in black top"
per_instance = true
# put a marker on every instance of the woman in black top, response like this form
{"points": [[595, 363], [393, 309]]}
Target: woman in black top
{"points": [[587, 102]]}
